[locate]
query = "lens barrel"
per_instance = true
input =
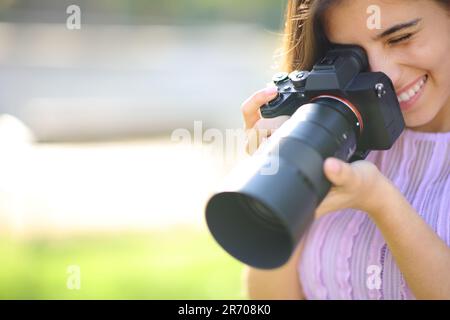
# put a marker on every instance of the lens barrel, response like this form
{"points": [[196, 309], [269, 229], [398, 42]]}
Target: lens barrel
{"points": [[262, 221]]}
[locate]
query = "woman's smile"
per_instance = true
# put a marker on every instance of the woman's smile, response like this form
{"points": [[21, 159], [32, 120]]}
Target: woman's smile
{"points": [[408, 96]]}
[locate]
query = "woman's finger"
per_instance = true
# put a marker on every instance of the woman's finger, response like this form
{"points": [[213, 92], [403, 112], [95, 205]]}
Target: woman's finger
{"points": [[250, 107]]}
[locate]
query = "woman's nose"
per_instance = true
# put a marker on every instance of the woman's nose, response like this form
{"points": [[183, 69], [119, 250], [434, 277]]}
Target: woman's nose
{"points": [[380, 62]]}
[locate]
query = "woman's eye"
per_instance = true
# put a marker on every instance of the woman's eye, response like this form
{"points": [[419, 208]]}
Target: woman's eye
{"points": [[400, 39]]}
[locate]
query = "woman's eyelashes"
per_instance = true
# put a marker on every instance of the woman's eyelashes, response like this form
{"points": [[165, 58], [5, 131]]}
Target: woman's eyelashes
{"points": [[400, 39]]}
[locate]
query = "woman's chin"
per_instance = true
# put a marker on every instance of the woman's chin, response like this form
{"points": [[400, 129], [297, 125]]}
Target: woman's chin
{"points": [[421, 122]]}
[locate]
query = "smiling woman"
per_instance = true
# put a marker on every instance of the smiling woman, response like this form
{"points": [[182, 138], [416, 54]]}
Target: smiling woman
{"points": [[412, 51], [397, 248]]}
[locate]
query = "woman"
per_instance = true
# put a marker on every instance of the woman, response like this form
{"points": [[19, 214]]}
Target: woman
{"points": [[383, 231]]}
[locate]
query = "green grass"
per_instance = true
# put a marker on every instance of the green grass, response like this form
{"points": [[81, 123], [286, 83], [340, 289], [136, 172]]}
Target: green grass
{"points": [[175, 264]]}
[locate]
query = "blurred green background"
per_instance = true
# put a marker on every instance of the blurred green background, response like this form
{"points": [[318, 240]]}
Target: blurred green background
{"points": [[172, 264], [91, 177]]}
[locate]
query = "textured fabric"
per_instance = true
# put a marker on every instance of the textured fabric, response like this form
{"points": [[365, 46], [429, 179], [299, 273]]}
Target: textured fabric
{"points": [[345, 255]]}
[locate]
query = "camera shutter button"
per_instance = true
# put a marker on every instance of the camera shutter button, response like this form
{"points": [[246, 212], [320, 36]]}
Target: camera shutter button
{"points": [[298, 78]]}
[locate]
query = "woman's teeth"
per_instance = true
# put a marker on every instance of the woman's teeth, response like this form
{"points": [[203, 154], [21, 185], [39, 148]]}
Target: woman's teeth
{"points": [[406, 96]]}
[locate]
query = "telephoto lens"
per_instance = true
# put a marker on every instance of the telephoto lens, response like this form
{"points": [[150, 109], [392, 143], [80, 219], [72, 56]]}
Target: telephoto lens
{"points": [[260, 217]]}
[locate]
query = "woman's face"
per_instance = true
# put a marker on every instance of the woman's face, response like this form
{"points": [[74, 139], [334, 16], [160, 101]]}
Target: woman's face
{"points": [[412, 46]]}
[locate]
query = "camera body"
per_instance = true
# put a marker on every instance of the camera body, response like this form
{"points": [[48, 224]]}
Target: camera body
{"points": [[341, 75]]}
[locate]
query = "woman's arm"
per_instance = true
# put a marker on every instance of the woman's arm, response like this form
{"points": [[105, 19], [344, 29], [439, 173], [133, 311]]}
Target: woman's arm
{"points": [[423, 257], [282, 283]]}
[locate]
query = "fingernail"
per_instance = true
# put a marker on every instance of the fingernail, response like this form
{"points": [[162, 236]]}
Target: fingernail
{"points": [[271, 91], [334, 166]]}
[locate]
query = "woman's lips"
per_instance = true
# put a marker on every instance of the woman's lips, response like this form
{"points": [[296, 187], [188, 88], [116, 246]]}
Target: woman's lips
{"points": [[408, 96]]}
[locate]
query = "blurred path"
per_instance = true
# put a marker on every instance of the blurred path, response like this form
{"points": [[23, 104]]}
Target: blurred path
{"points": [[130, 185]]}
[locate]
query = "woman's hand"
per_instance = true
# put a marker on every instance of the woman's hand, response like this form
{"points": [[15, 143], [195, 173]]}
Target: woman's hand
{"points": [[258, 129], [359, 185]]}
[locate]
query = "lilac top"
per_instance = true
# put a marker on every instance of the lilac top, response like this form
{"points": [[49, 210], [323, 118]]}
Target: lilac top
{"points": [[345, 255]]}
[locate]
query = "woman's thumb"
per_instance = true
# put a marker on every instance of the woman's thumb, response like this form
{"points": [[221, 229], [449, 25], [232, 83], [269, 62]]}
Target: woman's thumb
{"points": [[338, 172]]}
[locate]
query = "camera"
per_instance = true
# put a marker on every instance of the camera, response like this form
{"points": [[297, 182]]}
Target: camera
{"points": [[338, 109]]}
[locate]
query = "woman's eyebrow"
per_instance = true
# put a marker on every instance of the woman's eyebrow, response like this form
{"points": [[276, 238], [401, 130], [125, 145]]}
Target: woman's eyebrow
{"points": [[398, 27]]}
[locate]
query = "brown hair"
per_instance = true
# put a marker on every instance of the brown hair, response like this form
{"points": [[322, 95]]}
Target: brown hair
{"points": [[304, 37]]}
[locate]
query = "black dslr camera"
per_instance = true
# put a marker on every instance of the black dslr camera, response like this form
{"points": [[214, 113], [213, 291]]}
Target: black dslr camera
{"points": [[337, 110], [366, 99]]}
